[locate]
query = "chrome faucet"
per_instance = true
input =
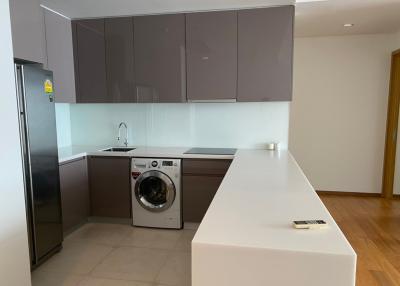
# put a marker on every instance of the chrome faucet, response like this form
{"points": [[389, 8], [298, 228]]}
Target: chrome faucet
{"points": [[126, 133]]}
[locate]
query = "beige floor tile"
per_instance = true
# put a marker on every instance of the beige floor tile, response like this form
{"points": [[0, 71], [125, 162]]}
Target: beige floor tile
{"points": [[102, 233], [177, 270], [76, 257], [185, 241], [130, 263], [43, 278], [152, 238], [90, 281]]}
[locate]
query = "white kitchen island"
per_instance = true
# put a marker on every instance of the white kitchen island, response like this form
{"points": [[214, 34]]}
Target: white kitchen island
{"points": [[246, 237]]}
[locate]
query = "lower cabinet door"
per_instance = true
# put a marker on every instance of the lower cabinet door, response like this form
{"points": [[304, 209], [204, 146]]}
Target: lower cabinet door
{"points": [[74, 187], [198, 193], [110, 191]]}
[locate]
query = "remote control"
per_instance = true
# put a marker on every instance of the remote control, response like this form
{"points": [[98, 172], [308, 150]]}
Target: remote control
{"points": [[309, 224]]}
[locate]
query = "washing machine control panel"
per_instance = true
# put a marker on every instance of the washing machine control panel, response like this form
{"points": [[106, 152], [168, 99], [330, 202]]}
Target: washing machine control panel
{"points": [[155, 164], [167, 163], [169, 166]]}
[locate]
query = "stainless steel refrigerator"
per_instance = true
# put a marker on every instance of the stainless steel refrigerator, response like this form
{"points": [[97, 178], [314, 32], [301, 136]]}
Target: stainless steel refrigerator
{"points": [[40, 160]]}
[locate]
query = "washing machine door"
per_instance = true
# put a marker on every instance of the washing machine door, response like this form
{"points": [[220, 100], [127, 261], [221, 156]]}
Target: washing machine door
{"points": [[155, 191]]}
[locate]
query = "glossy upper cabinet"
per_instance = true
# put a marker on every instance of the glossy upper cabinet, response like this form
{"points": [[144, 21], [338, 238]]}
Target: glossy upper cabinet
{"points": [[27, 25], [160, 66], [265, 54], [243, 56], [60, 56], [119, 59], [90, 60], [211, 42]]}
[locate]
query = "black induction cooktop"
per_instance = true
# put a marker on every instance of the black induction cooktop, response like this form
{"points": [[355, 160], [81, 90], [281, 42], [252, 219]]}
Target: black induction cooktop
{"points": [[212, 151]]}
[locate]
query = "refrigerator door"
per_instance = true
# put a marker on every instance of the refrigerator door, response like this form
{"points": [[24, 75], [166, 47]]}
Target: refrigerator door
{"points": [[25, 160], [41, 145]]}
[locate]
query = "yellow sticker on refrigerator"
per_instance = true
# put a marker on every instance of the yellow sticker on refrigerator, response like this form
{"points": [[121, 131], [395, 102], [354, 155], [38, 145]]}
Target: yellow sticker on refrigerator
{"points": [[48, 86]]}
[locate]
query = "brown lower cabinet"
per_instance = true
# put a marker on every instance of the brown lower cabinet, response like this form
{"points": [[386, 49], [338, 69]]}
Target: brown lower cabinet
{"points": [[101, 187], [200, 182], [110, 191], [74, 187]]}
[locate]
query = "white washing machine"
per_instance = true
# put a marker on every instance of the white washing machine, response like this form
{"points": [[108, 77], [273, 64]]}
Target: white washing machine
{"points": [[156, 192]]}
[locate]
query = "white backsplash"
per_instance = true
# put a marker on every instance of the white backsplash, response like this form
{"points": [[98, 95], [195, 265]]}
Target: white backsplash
{"points": [[240, 125], [63, 119]]}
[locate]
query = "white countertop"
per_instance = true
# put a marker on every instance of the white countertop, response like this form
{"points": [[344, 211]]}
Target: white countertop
{"points": [[66, 154], [262, 193], [74, 152]]}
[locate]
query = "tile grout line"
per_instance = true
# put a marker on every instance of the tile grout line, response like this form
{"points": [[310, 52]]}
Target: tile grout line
{"points": [[120, 279], [113, 246], [162, 266], [101, 260]]}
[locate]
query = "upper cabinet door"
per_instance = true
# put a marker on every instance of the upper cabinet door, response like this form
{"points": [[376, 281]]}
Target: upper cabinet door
{"points": [[119, 59], [160, 58], [60, 56], [27, 25], [265, 54], [211, 41], [90, 60]]}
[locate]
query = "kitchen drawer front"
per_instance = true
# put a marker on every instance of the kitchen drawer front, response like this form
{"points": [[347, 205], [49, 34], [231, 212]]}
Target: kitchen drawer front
{"points": [[75, 198], [198, 193], [206, 167], [110, 191]]}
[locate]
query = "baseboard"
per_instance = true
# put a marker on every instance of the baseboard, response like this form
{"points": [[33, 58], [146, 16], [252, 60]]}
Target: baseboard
{"points": [[74, 228], [111, 220], [353, 194], [191, 225]]}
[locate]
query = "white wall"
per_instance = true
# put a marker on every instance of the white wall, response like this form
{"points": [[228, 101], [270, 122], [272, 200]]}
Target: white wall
{"points": [[14, 255], [397, 41], [240, 125], [338, 115]]}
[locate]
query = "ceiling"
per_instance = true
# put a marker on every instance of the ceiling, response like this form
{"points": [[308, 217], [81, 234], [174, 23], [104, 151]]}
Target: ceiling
{"points": [[327, 18], [313, 18]]}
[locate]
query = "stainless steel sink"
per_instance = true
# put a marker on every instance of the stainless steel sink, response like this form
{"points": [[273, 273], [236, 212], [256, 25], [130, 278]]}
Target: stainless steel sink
{"points": [[118, 149]]}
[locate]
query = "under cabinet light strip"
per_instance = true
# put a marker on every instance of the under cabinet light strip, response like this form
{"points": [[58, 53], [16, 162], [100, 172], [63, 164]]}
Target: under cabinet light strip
{"points": [[55, 12]]}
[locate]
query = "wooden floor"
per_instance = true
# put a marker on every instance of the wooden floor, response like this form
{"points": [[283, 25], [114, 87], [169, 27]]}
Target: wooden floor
{"points": [[372, 226]]}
